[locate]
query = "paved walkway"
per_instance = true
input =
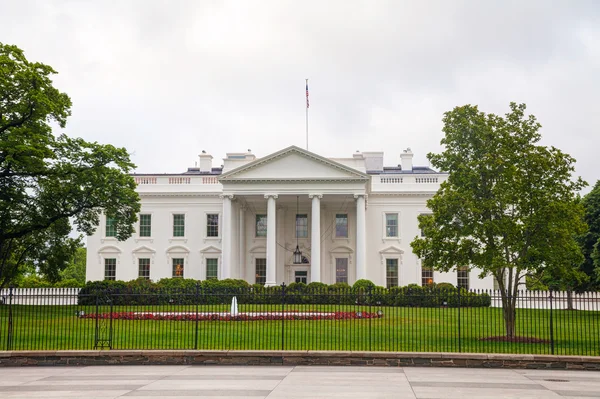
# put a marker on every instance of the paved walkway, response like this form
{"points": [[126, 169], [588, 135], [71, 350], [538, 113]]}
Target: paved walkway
{"points": [[251, 382]]}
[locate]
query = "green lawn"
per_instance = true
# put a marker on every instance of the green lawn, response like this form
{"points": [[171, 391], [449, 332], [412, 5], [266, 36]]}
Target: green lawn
{"points": [[400, 329]]}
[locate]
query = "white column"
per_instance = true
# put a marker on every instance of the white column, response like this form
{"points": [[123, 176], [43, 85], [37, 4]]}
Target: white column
{"points": [[226, 233], [242, 242], [315, 238], [361, 238], [271, 240]]}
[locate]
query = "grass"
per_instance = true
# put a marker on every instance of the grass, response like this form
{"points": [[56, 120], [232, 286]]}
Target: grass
{"points": [[400, 329]]}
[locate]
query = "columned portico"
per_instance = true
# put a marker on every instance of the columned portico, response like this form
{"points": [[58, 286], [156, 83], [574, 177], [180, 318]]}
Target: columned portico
{"points": [[361, 239], [315, 238], [271, 240]]}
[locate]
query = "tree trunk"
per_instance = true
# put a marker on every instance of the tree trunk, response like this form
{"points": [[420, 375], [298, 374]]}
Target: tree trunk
{"points": [[570, 300], [509, 311]]}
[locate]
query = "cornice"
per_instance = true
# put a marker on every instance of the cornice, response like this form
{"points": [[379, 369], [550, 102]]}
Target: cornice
{"points": [[178, 194], [297, 180]]}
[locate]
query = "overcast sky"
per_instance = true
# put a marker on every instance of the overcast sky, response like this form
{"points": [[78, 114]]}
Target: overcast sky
{"points": [[168, 79]]}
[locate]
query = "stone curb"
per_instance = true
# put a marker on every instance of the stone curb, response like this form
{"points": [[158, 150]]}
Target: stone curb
{"points": [[293, 358]]}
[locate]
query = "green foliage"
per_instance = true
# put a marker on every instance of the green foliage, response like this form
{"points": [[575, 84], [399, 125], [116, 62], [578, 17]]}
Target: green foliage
{"points": [[590, 240], [508, 207], [177, 291], [363, 284], [75, 270], [47, 180]]}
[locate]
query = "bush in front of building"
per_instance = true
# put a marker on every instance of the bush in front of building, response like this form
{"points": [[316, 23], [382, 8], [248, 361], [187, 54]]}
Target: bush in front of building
{"points": [[177, 291]]}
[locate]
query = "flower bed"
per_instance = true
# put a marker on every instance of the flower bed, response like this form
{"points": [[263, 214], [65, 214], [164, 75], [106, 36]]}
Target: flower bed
{"points": [[225, 316]]}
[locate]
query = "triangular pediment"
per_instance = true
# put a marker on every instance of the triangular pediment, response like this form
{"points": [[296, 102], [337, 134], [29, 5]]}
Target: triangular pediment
{"points": [[293, 164]]}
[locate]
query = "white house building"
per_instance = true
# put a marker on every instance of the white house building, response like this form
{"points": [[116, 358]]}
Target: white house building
{"points": [[350, 218]]}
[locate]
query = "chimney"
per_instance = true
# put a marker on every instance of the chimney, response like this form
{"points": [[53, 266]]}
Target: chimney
{"points": [[205, 162], [406, 160]]}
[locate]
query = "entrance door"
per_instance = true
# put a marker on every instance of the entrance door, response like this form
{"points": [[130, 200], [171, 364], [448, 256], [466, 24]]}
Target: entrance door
{"points": [[341, 270], [301, 276]]}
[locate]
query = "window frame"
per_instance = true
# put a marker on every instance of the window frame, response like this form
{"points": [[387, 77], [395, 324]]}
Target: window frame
{"points": [[209, 226], [256, 274], [296, 218], [256, 216], [140, 275], [111, 226], [149, 226], [428, 270], [337, 275], [387, 275], [174, 265], [459, 270], [385, 225], [216, 265], [173, 226], [335, 217], [106, 276]]}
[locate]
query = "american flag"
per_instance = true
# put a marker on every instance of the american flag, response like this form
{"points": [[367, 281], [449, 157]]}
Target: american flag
{"points": [[307, 93]]}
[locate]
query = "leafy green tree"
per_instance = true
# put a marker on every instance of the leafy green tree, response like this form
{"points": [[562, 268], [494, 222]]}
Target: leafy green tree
{"points": [[47, 181], [590, 241], [508, 207], [76, 268]]}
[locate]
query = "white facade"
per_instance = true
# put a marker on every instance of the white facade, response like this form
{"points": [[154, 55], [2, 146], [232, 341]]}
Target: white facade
{"points": [[356, 220]]}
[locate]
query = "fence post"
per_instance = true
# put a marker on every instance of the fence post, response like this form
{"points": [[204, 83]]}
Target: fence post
{"points": [[459, 305], [197, 300], [370, 313], [551, 326], [282, 316], [10, 320], [97, 329]]}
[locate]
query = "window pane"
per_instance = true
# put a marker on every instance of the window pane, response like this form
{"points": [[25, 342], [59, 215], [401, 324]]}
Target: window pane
{"points": [[111, 228], [341, 225], [212, 225], [426, 276], [145, 225], [391, 266], [178, 267], [301, 226], [391, 225], [144, 268], [462, 277], [212, 268], [261, 225], [110, 269], [179, 225], [341, 270], [261, 271]]}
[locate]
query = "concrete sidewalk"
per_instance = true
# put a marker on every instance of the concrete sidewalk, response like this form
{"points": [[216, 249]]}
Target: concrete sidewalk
{"points": [[274, 382]]}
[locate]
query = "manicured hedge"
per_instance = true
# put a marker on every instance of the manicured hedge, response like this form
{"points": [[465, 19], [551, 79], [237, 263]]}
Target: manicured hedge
{"points": [[179, 291]]}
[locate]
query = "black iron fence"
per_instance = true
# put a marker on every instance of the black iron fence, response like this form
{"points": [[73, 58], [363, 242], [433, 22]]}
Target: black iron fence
{"points": [[279, 318]]}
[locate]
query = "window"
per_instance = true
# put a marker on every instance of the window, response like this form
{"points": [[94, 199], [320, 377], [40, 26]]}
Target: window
{"points": [[301, 226], [301, 276], [111, 227], [110, 269], [462, 280], [426, 276], [179, 225], [391, 272], [261, 225], [145, 225], [178, 267], [212, 225], [212, 269], [391, 225], [341, 270], [144, 268], [261, 270], [341, 225]]}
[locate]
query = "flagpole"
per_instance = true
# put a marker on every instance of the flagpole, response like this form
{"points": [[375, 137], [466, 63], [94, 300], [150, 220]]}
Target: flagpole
{"points": [[306, 114]]}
